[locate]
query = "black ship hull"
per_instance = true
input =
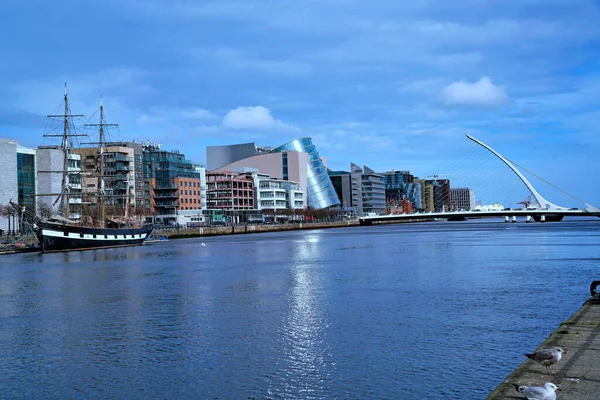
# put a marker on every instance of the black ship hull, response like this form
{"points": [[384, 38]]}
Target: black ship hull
{"points": [[60, 237]]}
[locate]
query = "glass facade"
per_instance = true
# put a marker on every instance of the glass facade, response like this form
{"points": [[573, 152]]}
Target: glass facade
{"points": [[320, 191], [162, 167], [26, 180]]}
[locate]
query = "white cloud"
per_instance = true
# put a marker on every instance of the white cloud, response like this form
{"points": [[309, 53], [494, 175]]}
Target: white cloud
{"points": [[258, 118], [482, 93]]}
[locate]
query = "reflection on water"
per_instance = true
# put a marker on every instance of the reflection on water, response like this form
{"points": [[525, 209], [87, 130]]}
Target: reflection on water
{"points": [[302, 330], [359, 312]]}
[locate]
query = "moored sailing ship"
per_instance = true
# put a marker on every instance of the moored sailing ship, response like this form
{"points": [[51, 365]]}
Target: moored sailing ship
{"points": [[60, 233]]}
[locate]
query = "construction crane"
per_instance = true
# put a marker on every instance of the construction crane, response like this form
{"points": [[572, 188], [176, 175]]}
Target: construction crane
{"points": [[526, 202]]}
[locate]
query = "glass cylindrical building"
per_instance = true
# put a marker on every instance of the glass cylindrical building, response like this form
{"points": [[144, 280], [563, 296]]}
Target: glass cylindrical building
{"points": [[320, 191]]}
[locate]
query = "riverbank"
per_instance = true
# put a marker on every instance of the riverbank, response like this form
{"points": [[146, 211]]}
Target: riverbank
{"points": [[243, 229], [182, 233], [578, 373]]}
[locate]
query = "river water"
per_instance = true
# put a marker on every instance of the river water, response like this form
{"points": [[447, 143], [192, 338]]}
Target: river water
{"points": [[440, 310]]}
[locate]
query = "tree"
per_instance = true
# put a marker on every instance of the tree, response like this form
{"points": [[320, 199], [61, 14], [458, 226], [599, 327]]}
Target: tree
{"points": [[44, 210], [8, 211]]}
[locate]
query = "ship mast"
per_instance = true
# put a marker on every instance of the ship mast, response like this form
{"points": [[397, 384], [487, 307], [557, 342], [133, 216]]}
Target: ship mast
{"points": [[66, 149], [101, 195]]}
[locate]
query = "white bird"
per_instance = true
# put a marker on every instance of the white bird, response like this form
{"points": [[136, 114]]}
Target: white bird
{"points": [[547, 357], [202, 244], [546, 392]]}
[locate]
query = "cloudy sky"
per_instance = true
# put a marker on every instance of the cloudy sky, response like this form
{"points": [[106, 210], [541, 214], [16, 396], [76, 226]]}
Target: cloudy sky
{"points": [[390, 84]]}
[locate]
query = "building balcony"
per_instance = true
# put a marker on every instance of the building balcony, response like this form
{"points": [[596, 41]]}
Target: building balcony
{"points": [[167, 204], [166, 196], [121, 157]]}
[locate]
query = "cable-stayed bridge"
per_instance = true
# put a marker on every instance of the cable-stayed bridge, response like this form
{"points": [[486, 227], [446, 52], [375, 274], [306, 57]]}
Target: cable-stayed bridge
{"points": [[539, 209]]}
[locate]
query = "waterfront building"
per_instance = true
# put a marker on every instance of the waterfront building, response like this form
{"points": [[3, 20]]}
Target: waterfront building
{"points": [[278, 195], [400, 185], [202, 172], [462, 199], [373, 191], [320, 191], [8, 180], [436, 195], [189, 196], [349, 189], [361, 190], [26, 178], [50, 162], [140, 198], [174, 182], [217, 157], [229, 191], [427, 197], [297, 161], [290, 166], [441, 195], [118, 170], [413, 192]]}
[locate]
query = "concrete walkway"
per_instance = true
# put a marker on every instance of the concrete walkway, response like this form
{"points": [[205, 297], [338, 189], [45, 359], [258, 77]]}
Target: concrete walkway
{"points": [[578, 373]]}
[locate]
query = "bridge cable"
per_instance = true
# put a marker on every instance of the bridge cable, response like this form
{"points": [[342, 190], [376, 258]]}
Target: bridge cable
{"points": [[543, 180]]}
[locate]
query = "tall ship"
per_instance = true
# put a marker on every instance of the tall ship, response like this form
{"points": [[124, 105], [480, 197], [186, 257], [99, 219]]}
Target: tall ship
{"points": [[93, 228]]}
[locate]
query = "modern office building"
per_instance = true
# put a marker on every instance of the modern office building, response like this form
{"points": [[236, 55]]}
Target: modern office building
{"points": [[290, 166], [427, 196], [229, 191], [172, 178], [349, 189], [361, 190], [320, 191], [373, 192], [462, 199], [26, 178], [218, 157], [277, 195], [118, 170], [202, 171], [440, 195], [140, 197], [297, 161], [400, 185]]}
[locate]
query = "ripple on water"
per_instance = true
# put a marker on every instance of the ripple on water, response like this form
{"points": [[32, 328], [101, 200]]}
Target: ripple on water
{"points": [[411, 312]]}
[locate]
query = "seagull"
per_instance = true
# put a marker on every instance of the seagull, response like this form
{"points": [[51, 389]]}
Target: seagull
{"points": [[546, 392], [547, 357]]}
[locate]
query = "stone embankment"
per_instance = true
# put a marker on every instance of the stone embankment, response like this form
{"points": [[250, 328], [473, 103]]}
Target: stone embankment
{"points": [[241, 229], [578, 373]]}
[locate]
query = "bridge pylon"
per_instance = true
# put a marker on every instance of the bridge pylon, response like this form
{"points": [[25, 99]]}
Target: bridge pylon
{"points": [[542, 202]]}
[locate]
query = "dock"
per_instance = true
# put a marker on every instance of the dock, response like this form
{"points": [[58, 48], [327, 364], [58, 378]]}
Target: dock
{"points": [[578, 373]]}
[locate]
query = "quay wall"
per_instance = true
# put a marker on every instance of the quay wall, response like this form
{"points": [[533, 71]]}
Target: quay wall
{"points": [[242, 229], [578, 373]]}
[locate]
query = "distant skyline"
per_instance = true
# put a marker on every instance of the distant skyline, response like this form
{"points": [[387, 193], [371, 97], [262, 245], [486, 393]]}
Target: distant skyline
{"points": [[388, 84]]}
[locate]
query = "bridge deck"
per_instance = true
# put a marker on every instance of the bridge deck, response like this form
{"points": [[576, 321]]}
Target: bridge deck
{"points": [[477, 214]]}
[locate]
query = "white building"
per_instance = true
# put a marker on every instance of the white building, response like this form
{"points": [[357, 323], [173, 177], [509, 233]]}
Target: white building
{"points": [[277, 194], [8, 176], [488, 207], [202, 172], [190, 218], [50, 164], [462, 199]]}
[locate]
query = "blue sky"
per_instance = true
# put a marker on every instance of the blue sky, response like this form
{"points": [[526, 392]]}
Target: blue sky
{"points": [[389, 84]]}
